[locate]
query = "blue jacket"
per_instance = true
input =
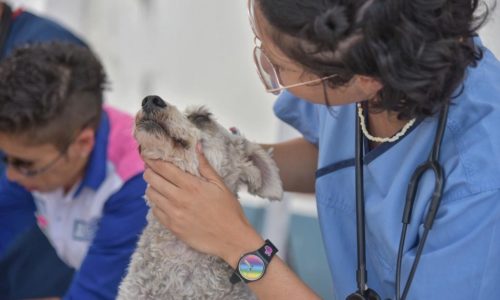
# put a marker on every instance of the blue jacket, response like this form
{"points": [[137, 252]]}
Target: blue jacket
{"points": [[95, 227], [27, 28]]}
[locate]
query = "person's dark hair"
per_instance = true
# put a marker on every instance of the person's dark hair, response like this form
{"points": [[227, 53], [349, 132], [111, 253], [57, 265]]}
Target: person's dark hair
{"points": [[50, 91], [418, 49]]}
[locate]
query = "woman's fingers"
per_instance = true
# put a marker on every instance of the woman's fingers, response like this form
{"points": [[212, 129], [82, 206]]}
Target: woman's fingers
{"points": [[165, 169], [206, 170], [169, 212], [161, 216], [171, 173], [156, 199], [161, 206], [164, 187], [201, 211]]}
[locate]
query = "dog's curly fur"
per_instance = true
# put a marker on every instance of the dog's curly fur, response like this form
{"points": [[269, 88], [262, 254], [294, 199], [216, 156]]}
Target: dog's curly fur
{"points": [[163, 267]]}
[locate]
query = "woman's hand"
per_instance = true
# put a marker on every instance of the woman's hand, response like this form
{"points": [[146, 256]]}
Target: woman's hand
{"points": [[205, 214], [202, 212]]}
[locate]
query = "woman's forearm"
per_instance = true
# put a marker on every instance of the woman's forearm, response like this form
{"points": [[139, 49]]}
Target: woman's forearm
{"points": [[297, 160]]}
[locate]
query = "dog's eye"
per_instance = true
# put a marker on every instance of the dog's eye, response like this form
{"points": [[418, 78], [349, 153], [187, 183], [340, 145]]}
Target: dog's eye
{"points": [[200, 119], [180, 142]]}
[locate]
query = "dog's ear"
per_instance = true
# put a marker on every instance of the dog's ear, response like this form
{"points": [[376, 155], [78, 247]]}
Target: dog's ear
{"points": [[260, 173]]}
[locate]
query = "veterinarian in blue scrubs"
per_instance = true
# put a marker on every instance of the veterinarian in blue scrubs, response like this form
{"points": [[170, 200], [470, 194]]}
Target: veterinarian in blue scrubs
{"points": [[72, 165], [398, 103]]}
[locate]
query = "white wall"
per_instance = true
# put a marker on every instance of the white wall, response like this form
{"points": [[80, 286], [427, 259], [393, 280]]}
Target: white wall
{"points": [[490, 33], [190, 52], [187, 51]]}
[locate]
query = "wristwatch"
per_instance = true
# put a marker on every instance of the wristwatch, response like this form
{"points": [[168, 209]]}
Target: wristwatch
{"points": [[252, 265]]}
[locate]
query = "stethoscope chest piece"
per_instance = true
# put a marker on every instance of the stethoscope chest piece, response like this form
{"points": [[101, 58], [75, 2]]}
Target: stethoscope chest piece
{"points": [[367, 294]]}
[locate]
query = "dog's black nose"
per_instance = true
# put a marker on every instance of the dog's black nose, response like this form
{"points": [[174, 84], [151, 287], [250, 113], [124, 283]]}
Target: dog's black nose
{"points": [[150, 103]]}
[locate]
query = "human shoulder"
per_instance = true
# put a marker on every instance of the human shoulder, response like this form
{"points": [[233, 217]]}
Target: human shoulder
{"points": [[28, 28], [474, 117], [12, 189], [122, 149]]}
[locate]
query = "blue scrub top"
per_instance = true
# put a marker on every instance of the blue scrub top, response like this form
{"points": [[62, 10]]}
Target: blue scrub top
{"points": [[461, 258]]}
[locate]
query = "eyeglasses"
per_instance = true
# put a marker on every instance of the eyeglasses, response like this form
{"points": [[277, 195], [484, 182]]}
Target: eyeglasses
{"points": [[268, 72], [24, 166]]}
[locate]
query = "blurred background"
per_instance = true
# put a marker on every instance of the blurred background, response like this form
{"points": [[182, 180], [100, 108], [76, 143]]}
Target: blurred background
{"points": [[200, 52]]}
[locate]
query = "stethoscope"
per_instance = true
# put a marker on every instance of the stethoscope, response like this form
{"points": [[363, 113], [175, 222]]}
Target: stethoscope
{"points": [[432, 164]]}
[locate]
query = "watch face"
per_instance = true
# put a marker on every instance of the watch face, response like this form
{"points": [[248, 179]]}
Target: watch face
{"points": [[251, 267]]}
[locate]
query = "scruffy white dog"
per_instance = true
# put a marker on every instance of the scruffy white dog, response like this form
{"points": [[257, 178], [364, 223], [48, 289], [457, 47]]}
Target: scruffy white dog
{"points": [[163, 267]]}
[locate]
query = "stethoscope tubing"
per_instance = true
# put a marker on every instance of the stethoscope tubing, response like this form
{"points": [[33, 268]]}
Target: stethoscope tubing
{"points": [[431, 164]]}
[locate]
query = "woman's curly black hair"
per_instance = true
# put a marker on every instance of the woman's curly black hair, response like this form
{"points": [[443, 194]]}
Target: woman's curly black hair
{"points": [[418, 49], [49, 91]]}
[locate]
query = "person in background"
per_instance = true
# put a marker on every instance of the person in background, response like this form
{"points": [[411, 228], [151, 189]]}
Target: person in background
{"points": [[377, 88], [18, 28], [74, 164]]}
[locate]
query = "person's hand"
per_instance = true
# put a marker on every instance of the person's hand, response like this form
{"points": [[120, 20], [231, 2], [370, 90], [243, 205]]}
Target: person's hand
{"points": [[201, 211]]}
